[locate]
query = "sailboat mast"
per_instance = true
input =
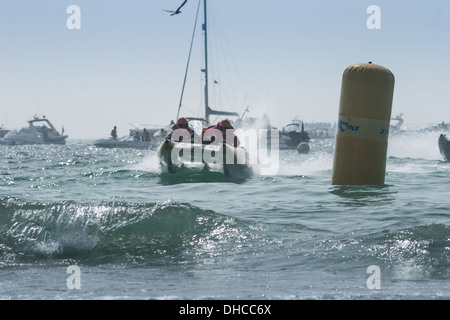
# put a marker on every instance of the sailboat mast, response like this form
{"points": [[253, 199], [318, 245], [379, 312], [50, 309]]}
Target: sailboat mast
{"points": [[208, 110], [205, 29]]}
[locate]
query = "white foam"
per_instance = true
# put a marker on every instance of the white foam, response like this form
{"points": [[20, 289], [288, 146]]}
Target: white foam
{"points": [[414, 144], [149, 164]]}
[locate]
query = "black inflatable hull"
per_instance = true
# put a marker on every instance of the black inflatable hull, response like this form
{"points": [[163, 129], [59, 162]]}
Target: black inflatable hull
{"points": [[444, 147]]}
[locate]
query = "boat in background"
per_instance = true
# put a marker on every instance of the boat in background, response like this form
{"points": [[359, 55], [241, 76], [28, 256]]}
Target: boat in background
{"points": [[444, 147], [3, 132], [396, 127], [437, 127], [292, 135], [320, 130], [124, 142], [135, 140], [39, 131]]}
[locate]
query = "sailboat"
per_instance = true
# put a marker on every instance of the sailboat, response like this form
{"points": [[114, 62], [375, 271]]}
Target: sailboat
{"points": [[230, 160]]}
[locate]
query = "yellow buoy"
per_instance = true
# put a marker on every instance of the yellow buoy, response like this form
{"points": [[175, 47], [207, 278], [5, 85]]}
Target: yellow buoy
{"points": [[303, 147], [363, 125]]}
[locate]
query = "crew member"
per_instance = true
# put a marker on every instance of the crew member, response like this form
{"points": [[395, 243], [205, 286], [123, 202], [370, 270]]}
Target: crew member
{"points": [[136, 136], [146, 136], [114, 133], [182, 123], [223, 126], [45, 132]]}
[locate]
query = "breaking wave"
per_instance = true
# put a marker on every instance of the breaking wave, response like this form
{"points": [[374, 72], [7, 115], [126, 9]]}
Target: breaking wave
{"points": [[108, 231]]}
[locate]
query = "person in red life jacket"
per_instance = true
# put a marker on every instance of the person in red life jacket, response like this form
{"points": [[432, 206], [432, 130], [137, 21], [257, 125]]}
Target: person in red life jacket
{"points": [[182, 123], [223, 126]]}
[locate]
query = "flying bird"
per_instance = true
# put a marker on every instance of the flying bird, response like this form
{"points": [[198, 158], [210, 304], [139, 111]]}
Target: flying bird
{"points": [[178, 10]]}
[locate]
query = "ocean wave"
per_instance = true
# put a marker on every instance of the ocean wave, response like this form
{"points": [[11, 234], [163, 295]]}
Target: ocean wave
{"points": [[415, 252], [107, 231]]}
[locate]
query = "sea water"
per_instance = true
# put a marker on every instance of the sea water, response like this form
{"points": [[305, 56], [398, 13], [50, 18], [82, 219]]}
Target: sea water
{"points": [[81, 222]]}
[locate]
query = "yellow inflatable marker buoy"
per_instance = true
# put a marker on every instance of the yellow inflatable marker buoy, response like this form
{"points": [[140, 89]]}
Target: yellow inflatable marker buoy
{"points": [[363, 125], [303, 148]]}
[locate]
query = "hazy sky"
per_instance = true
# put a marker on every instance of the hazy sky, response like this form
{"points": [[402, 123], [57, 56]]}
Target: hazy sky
{"points": [[284, 58]]}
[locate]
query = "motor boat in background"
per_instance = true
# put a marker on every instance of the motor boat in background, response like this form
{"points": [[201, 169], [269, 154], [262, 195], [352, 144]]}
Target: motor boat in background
{"points": [[292, 135], [3, 132], [39, 131], [396, 127], [135, 140], [138, 138]]}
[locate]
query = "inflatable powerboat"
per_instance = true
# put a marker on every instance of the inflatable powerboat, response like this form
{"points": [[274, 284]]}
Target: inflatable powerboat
{"points": [[444, 147], [229, 160]]}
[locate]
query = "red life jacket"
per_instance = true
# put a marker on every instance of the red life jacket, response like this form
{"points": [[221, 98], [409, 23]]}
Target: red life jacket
{"points": [[236, 141], [175, 127]]}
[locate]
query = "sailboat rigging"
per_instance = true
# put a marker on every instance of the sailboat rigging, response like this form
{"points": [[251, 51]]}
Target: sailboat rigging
{"points": [[189, 60], [208, 111]]}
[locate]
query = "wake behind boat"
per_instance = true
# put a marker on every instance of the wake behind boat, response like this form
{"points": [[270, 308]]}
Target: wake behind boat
{"points": [[39, 131]]}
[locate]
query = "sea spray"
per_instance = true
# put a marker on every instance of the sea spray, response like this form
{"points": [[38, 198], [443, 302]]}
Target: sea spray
{"points": [[415, 144]]}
